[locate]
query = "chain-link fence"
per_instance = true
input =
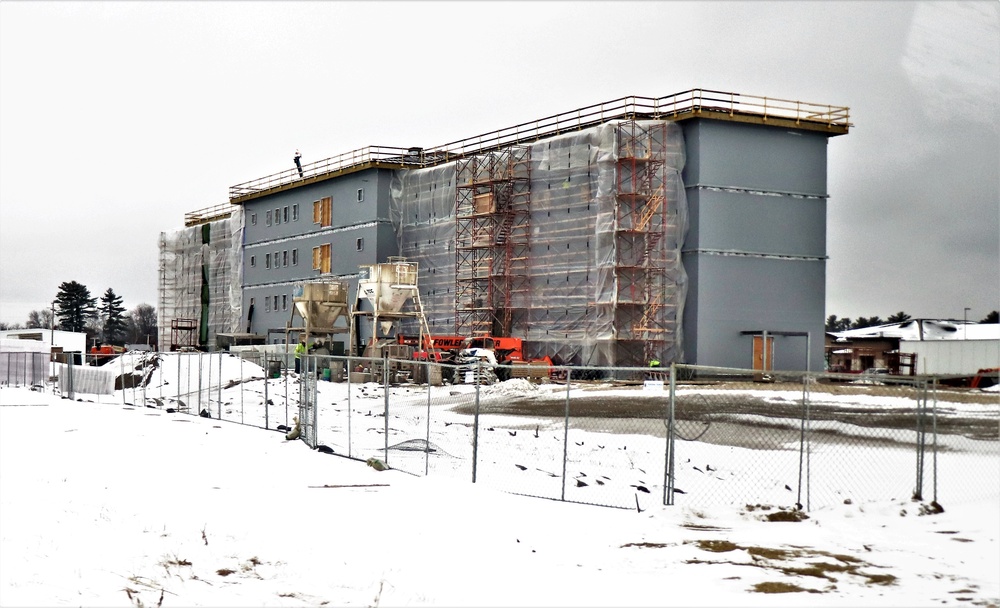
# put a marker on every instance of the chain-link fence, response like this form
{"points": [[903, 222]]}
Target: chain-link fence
{"points": [[24, 368], [621, 437]]}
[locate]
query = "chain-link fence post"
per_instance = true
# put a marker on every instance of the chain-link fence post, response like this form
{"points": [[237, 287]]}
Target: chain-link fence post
{"points": [[219, 391], [918, 491], [668, 456], [803, 446], [475, 424], [69, 378], [427, 439], [385, 391], [241, 389], [121, 373], [569, 377], [350, 369], [933, 394]]}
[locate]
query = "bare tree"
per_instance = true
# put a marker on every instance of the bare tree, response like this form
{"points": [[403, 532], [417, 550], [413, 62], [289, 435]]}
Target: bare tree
{"points": [[142, 324], [39, 319]]}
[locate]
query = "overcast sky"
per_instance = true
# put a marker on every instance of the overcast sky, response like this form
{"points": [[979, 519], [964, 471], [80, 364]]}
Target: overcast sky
{"points": [[117, 118]]}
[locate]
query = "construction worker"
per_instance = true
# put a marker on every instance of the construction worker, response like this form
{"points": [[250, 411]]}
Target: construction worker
{"points": [[298, 162], [300, 349], [654, 363]]}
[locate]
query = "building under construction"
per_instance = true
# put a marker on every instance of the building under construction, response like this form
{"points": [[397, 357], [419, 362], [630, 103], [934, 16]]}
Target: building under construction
{"points": [[688, 228]]}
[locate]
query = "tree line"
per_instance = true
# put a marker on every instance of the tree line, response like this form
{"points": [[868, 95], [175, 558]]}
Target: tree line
{"points": [[834, 323], [103, 319]]}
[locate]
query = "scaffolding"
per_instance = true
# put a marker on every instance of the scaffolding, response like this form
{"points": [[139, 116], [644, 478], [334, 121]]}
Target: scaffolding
{"points": [[645, 312], [492, 238], [571, 243], [200, 273]]}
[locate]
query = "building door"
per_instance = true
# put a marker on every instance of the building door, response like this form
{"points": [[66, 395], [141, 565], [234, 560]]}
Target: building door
{"points": [[762, 361]]}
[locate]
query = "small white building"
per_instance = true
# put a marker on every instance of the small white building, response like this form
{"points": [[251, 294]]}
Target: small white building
{"points": [[45, 340]]}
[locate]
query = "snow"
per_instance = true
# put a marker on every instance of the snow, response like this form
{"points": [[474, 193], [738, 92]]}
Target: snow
{"points": [[107, 504], [924, 329]]}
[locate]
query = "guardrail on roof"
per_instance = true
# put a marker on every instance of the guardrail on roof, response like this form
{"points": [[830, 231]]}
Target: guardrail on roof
{"points": [[678, 105], [208, 214]]}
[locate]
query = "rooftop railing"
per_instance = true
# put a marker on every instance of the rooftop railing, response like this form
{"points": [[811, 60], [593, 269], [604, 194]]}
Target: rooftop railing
{"points": [[691, 102], [201, 216]]}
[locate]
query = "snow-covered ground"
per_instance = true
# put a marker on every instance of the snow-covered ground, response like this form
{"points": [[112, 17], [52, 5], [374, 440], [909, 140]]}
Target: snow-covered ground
{"points": [[103, 504], [744, 458]]}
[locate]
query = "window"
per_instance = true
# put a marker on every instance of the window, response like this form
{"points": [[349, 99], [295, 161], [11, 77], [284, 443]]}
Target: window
{"points": [[321, 258], [267, 218], [284, 258], [361, 195], [295, 212], [360, 244], [277, 216], [253, 219], [267, 304], [323, 211], [277, 260], [253, 261], [267, 260], [284, 302], [276, 303], [284, 214], [295, 257]]}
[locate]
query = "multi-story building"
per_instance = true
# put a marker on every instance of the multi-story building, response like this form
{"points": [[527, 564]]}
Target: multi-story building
{"points": [[685, 228]]}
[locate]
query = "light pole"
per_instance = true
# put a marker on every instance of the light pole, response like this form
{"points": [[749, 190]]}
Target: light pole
{"points": [[965, 319]]}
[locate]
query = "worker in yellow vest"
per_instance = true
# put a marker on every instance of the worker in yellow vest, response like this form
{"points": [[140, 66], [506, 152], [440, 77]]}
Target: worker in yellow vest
{"points": [[300, 349]]}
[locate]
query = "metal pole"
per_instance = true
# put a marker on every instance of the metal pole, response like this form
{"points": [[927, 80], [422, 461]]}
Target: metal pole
{"points": [[285, 374], [385, 384], [241, 388], [199, 383], [208, 384], [934, 419], [668, 456], [427, 441], [764, 355], [266, 372], [349, 370], [178, 357], [220, 386], [921, 403], [802, 442], [121, 374], [569, 376], [808, 351], [475, 428], [312, 433]]}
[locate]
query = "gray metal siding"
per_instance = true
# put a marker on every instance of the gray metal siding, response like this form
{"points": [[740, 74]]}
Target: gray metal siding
{"points": [[756, 223], [754, 157], [736, 293], [347, 210], [360, 233], [739, 179]]}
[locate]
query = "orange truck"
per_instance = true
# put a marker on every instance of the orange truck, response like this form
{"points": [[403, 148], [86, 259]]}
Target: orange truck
{"points": [[101, 353]]}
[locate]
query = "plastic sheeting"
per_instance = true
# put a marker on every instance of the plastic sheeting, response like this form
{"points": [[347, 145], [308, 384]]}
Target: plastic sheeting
{"points": [[606, 284], [85, 379], [200, 275]]}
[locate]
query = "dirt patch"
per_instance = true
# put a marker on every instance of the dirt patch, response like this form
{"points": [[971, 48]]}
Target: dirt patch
{"points": [[695, 411]]}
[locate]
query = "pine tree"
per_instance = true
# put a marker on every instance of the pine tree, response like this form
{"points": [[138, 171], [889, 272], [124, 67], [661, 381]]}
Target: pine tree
{"points": [[114, 322], [899, 317], [74, 306]]}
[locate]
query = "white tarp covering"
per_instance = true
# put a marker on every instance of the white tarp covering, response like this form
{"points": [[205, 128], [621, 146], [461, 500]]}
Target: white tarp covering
{"points": [[589, 289], [86, 379], [200, 276]]}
